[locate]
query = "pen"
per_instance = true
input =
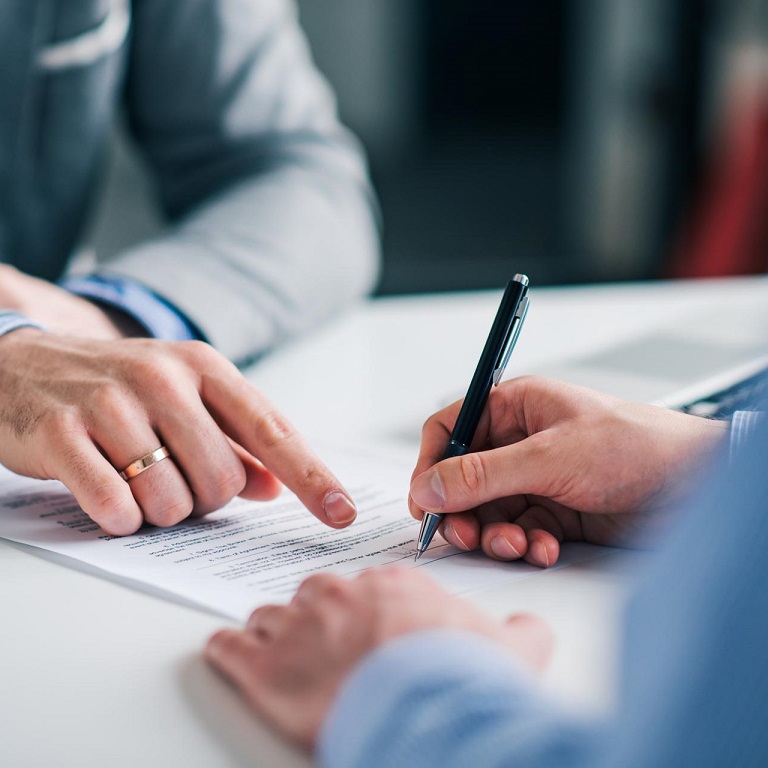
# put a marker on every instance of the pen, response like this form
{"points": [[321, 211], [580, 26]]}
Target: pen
{"points": [[496, 353]]}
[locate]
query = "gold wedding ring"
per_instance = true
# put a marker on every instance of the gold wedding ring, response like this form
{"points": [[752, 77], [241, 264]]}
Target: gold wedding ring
{"points": [[144, 463]]}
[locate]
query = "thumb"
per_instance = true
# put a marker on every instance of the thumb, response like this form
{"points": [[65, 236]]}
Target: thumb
{"points": [[465, 482]]}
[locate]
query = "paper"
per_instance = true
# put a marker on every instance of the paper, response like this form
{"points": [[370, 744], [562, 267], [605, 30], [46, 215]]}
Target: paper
{"points": [[249, 553]]}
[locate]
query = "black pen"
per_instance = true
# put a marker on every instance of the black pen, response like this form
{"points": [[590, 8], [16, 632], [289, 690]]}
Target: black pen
{"points": [[496, 353]]}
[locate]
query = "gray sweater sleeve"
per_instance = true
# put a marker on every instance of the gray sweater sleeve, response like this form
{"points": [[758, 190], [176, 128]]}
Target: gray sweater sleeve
{"points": [[271, 219]]}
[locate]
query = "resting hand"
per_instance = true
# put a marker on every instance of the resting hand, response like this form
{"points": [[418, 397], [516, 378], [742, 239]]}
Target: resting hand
{"points": [[553, 462], [61, 311], [290, 661], [81, 410]]}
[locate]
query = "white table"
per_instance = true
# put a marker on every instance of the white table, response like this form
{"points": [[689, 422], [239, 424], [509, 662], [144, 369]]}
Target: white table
{"points": [[96, 674]]}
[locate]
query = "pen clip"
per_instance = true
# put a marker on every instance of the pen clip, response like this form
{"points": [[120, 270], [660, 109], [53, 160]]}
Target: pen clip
{"points": [[509, 345]]}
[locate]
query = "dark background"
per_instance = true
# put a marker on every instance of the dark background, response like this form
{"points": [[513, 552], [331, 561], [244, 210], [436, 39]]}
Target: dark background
{"points": [[563, 139], [567, 139]]}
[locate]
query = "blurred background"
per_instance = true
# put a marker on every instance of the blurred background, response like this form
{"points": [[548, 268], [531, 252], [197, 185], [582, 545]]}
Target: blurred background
{"points": [[574, 140]]}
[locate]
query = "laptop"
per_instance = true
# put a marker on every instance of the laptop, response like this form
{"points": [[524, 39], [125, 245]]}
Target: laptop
{"points": [[704, 359]]}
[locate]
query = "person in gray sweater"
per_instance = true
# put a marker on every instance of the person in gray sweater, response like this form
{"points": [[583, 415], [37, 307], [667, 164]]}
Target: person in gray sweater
{"points": [[271, 227]]}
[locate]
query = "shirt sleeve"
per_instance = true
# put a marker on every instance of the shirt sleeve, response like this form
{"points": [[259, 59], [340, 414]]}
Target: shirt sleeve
{"points": [[742, 424], [157, 316], [272, 220], [11, 321], [694, 667], [447, 698]]}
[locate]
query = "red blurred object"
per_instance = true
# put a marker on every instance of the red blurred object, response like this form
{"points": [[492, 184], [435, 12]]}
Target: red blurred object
{"points": [[728, 231]]}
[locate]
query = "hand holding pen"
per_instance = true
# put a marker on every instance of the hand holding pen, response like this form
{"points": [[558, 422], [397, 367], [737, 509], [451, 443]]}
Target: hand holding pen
{"points": [[493, 360]]}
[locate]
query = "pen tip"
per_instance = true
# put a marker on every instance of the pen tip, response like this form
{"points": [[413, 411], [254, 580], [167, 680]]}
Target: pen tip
{"points": [[418, 555]]}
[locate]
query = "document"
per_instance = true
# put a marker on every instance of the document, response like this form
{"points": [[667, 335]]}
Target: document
{"points": [[250, 553]]}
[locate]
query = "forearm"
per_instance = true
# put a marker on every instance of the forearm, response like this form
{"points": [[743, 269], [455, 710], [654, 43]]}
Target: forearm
{"points": [[264, 260], [451, 699], [273, 223]]}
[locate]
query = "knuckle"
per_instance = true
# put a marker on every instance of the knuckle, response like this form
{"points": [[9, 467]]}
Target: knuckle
{"points": [[109, 501], [396, 577], [229, 481], [397, 572], [429, 424], [311, 582], [153, 371], [69, 456], [111, 506], [313, 475], [170, 514], [473, 472], [199, 354], [274, 429], [61, 428], [109, 400], [326, 586], [164, 383], [336, 589], [224, 483], [223, 643]]}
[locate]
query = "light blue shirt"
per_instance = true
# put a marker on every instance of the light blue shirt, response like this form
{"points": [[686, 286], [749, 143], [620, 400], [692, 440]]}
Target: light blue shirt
{"points": [[155, 315], [158, 317], [695, 669]]}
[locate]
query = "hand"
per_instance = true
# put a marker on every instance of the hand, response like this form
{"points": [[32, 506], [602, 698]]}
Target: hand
{"points": [[80, 410], [553, 462], [61, 311], [290, 661]]}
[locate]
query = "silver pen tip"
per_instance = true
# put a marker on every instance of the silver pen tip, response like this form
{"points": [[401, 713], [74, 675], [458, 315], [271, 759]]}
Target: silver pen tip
{"points": [[418, 555]]}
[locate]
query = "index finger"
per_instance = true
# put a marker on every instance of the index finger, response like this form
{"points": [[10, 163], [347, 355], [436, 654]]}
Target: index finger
{"points": [[250, 419]]}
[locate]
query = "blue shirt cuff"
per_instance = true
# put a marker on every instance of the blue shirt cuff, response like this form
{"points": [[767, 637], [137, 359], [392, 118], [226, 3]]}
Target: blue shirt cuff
{"points": [[742, 423], [161, 320], [404, 696], [11, 321]]}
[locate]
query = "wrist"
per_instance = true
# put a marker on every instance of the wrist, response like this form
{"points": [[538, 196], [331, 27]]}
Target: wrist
{"points": [[682, 438], [133, 309], [711, 434], [120, 323]]}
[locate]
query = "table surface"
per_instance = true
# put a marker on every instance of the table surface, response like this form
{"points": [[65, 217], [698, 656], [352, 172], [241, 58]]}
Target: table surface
{"points": [[95, 673]]}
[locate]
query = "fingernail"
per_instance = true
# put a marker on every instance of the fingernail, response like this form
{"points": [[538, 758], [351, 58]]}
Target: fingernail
{"points": [[427, 491], [453, 532], [502, 548], [539, 552], [338, 508]]}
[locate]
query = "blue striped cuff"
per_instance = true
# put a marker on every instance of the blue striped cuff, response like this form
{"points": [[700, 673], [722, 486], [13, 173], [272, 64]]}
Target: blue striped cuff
{"points": [[742, 424], [161, 320]]}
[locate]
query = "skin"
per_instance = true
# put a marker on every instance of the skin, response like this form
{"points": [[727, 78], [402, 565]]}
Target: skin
{"points": [[62, 311], [289, 661], [551, 462], [81, 402]]}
